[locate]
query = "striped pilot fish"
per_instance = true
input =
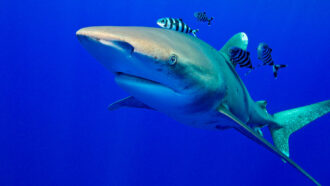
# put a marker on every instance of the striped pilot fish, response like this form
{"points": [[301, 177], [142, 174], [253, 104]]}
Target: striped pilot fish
{"points": [[176, 24], [202, 17], [264, 54], [241, 57]]}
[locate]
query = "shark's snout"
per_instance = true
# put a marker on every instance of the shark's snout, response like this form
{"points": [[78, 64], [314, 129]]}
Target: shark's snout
{"points": [[132, 50], [87, 38], [112, 51]]}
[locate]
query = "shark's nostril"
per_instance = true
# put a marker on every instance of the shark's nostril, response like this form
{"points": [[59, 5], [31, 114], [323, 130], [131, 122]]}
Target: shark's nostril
{"points": [[124, 45]]}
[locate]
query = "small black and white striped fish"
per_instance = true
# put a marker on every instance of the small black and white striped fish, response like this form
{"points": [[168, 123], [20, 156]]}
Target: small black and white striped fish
{"points": [[176, 24], [241, 57], [202, 17], [264, 54]]}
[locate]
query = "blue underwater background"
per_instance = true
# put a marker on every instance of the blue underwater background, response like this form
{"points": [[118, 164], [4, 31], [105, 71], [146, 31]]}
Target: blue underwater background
{"points": [[55, 128]]}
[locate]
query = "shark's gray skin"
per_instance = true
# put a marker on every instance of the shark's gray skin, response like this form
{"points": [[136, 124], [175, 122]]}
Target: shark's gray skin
{"points": [[192, 82]]}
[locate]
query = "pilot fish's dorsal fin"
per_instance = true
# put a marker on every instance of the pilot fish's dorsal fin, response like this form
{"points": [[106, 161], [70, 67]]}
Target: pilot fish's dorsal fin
{"points": [[129, 101], [239, 40]]}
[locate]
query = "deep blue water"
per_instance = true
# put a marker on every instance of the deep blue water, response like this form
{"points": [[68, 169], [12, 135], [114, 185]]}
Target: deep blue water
{"points": [[55, 128]]}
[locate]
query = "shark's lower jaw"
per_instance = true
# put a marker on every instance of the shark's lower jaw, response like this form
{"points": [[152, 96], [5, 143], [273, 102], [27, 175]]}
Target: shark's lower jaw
{"points": [[134, 82], [124, 77], [152, 93]]}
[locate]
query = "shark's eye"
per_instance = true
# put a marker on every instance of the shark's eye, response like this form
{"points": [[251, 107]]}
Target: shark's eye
{"points": [[173, 59]]}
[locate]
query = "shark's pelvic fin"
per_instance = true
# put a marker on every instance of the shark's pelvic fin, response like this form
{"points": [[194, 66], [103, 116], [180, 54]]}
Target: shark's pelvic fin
{"points": [[129, 101], [293, 120], [239, 40], [247, 131], [262, 104]]}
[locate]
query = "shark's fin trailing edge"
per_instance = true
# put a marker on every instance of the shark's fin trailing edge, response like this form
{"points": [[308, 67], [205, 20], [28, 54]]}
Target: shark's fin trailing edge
{"points": [[247, 131], [239, 40], [129, 101], [293, 120]]}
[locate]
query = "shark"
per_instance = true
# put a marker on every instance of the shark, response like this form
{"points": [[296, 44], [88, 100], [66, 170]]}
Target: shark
{"points": [[192, 82]]}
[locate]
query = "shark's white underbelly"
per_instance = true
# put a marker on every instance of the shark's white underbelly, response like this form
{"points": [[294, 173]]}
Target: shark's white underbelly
{"points": [[207, 120]]}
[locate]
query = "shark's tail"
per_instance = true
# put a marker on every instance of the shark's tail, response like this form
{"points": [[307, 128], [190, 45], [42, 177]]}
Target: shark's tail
{"points": [[292, 120], [194, 32], [276, 68]]}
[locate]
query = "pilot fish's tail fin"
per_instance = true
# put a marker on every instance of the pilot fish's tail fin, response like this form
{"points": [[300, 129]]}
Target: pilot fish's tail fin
{"points": [[209, 21], [276, 68], [194, 32], [292, 120]]}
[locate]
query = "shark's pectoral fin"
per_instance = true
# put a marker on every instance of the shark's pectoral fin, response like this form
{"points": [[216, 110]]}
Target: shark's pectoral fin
{"points": [[242, 127], [239, 40], [247, 131], [129, 101]]}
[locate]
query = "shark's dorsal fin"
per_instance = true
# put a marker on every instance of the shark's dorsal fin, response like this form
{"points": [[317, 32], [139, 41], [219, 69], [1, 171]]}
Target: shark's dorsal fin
{"points": [[247, 131], [262, 103], [129, 101], [239, 40]]}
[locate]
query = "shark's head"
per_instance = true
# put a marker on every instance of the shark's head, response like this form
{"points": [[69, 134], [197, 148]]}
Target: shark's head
{"points": [[166, 70]]}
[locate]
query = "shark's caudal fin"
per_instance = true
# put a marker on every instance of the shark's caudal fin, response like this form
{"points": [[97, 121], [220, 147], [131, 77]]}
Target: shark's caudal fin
{"points": [[293, 120], [250, 133]]}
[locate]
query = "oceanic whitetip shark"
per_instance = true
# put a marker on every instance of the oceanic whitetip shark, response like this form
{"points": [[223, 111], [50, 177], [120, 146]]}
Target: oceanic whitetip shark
{"points": [[190, 81]]}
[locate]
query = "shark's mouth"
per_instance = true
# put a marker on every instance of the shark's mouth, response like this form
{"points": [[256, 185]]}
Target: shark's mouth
{"points": [[134, 80]]}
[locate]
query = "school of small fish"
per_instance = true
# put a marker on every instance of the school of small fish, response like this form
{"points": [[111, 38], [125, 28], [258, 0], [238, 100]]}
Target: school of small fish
{"points": [[238, 56]]}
